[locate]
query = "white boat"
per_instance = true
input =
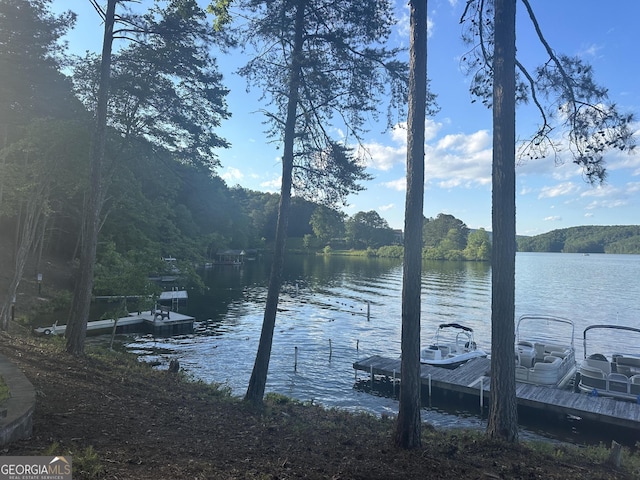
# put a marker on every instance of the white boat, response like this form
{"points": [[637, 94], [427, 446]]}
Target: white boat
{"points": [[452, 346], [545, 360], [617, 375]]}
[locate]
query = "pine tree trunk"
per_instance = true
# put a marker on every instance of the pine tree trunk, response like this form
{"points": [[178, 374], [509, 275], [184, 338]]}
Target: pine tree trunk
{"points": [[408, 428], [77, 325], [258, 380], [503, 415], [25, 237]]}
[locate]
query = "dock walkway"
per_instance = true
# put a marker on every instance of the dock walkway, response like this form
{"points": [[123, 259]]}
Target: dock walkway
{"points": [[472, 376], [175, 324]]}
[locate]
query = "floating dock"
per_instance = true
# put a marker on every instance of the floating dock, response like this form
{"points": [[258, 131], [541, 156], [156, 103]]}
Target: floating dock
{"points": [[173, 324], [472, 378]]}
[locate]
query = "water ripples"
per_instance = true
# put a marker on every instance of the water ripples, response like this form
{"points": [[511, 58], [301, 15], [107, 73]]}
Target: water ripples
{"points": [[334, 312]]}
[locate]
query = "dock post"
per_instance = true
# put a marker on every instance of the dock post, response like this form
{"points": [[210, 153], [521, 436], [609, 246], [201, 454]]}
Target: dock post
{"points": [[295, 360], [368, 310], [394, 382], [330, 350], [481, 393], [429, 386], [371, 370]]}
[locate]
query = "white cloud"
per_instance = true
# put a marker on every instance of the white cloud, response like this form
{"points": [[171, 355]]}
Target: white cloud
{"points": [[601, 191], [384, 208], [232, 175], [467, 144], [617, 160], [454, 160], [591, 51], [379, 156], [633, 187], [400, 184], [607, 203], [383, 157], [272, 185], [554, 218], [559, 190]]}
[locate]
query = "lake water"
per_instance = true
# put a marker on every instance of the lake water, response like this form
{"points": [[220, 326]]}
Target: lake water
{"points": [[336, 310]]}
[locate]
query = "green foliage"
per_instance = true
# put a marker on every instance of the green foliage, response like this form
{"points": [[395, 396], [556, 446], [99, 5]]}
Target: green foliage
{"points": [[434, 253], [31, 84], [87, 464], [279, 399], [306, 241], [391, 251], [46, 312], [164, 86], [327, 223], [478, 246], [585, 239], [448, 238], [445, 228], [368, 229]]}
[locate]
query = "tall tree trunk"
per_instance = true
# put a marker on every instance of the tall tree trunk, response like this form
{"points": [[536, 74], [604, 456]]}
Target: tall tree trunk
{"points": [[28, 229], [408, 428], [258, 380], [503, 416], [77, 325]]}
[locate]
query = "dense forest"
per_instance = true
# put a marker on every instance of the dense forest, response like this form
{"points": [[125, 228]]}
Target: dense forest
{"points": [[164, 196], [585, 239]]}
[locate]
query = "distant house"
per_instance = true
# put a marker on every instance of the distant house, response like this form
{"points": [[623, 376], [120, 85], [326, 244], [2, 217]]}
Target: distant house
{"points": [[398, 236], [230, 257]]}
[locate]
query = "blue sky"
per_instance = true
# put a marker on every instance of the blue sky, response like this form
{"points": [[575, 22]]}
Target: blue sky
{"points": [[458, 138]]}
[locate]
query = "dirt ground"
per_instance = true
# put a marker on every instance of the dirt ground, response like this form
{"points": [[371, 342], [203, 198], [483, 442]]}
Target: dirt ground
{"points": [[120, 419]]}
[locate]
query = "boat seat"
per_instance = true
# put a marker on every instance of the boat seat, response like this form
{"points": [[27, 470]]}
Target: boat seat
{"points": [[525, 359], [550, 362], [626, 371], [550, 347], [470, 346], [597, 360], [592, 372], [635, 379], [632, 362], [592, 377]]}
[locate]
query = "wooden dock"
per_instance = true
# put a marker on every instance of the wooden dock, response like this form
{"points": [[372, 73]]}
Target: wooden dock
{"points": [[146, 322], [473, 377]]}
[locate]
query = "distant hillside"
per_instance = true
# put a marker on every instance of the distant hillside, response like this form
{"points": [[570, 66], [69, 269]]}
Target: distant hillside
{"points": [[586, 239]]}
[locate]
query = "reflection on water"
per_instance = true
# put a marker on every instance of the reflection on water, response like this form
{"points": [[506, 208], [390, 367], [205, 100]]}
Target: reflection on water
{"points": [[336, 310]]}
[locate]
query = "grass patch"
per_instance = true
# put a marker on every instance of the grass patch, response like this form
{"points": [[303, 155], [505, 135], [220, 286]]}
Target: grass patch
{"points": [[85, 463]]}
